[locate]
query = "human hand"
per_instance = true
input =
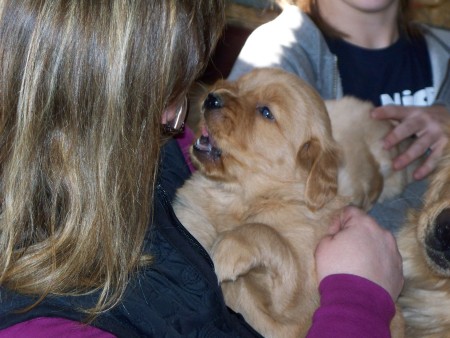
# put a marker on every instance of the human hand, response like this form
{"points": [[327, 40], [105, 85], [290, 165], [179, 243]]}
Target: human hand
{"points": [[357, 245], [427, 124]]}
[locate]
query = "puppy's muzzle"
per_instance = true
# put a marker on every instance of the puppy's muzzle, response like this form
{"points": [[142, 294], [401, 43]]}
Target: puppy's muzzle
{"points": [[213, 101], [438, 241]]}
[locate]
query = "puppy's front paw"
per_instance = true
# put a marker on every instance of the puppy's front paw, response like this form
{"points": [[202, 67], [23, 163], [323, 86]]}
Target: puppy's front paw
{"points": [[232, 257]]}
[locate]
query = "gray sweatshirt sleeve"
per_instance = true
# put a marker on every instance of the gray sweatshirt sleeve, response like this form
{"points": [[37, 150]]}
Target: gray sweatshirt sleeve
{"points": [[438, 41], [291, 42], [443, 96], [274, 44]]}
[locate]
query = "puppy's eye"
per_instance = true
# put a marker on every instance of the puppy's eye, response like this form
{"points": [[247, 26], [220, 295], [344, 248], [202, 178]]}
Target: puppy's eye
{"points": [[265, 112]]}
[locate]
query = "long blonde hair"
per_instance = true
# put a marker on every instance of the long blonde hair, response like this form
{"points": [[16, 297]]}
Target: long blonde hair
{"points": [[83, 86]]}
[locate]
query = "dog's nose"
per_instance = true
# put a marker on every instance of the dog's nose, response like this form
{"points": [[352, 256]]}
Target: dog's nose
{"points": [[213, 101], [437, 242], [442, 231]]}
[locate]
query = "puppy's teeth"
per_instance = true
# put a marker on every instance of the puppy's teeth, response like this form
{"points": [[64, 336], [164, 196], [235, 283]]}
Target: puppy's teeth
{"points": [[203, 144], [203, 139]]}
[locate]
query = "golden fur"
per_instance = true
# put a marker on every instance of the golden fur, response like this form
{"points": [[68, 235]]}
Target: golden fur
{"points": [[424, 243], [265, 192], [366, 172]]}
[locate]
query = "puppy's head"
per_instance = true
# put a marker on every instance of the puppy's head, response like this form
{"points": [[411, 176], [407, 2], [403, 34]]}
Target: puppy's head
{"points": [[268, 124], [433, 221]]}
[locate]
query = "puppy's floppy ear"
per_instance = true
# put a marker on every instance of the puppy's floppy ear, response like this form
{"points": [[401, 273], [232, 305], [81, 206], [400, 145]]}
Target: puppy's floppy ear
{"points": [[321, 162]]}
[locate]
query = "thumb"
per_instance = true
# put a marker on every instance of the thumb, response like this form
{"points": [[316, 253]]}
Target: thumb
{"points": [[336, 224]]}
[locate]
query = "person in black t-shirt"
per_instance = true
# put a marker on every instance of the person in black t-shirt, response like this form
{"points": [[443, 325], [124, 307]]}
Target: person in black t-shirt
{"points": [[389, 64], [371, 50]]}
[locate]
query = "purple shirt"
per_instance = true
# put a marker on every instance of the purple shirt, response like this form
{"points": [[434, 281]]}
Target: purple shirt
{"points": [[45, 327], [352, 306], [185, 140]]}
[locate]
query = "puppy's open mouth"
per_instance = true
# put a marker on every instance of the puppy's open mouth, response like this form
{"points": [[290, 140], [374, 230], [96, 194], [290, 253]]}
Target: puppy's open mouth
{"points": [[205, 147]]}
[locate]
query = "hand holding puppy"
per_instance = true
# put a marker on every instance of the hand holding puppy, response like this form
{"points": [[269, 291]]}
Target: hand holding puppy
{"points": [[357, 245]]}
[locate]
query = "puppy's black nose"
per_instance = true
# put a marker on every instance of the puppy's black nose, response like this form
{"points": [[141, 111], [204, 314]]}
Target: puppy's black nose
{"points": [[442, 231], [437, 242], [213, 101]]}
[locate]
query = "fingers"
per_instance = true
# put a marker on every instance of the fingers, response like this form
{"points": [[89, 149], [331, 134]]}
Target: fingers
{"points": [[360, 247], [335, 225], [411, 123], [389, 113], [418, 148], [426, 124], [430, 141], [341, 220], [400, 132], [436, 151]]}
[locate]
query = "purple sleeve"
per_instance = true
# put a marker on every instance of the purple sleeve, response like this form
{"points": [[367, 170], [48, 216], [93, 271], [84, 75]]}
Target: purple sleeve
{"points": [[185, 140], [53, 327], [352, 306]]}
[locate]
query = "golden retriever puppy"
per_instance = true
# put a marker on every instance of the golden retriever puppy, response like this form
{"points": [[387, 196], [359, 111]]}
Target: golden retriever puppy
{"points": [[264, 195], [424, 243], [366, 173]]}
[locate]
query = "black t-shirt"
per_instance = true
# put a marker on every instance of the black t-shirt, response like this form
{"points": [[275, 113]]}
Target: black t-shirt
{"points": [[399, 74]]}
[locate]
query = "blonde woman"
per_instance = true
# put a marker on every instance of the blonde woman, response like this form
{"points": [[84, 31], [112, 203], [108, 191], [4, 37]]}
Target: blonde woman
{"points": [[89, 244]]}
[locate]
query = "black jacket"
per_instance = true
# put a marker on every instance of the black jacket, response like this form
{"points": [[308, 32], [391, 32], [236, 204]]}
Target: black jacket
{"points": [[176, 296]]}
